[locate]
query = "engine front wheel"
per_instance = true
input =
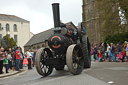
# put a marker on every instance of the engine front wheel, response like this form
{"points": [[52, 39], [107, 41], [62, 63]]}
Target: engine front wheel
{"points": [[41, 55]]}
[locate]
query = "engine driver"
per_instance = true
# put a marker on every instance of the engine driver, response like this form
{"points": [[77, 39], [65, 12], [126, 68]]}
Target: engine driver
{"points": [[70, 30], [71, 33]]}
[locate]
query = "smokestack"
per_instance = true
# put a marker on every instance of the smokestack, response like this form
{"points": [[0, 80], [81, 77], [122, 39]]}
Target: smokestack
{"points": [[56, 14]]}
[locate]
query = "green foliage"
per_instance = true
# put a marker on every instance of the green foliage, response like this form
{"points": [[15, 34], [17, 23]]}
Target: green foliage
{"points": [[116, 38], [8, 42]]}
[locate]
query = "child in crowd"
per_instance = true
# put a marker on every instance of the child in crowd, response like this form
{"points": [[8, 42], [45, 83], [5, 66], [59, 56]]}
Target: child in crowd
{"points": [[119, 56], [99, 55], [109, 54], [5, 62], [92, 54]]}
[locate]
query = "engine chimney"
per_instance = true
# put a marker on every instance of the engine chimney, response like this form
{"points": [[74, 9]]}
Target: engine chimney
{"points": [[56, 14]]}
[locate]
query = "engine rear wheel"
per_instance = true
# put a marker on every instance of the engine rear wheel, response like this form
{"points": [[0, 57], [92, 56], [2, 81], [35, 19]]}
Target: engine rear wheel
{"points": [[41, 55], [74, 59], [86, 51], [59, 68]]}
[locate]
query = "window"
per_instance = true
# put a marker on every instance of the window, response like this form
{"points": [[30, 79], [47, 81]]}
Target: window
{"points": [[0, 27], [7, 27], [15, 38], [15, 28], [0, 36]]}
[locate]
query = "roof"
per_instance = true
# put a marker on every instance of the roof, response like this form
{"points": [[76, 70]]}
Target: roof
{"points": [[5, 17], [41, 37]]}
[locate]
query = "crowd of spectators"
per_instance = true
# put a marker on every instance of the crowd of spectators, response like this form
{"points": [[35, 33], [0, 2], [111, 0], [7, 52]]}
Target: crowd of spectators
{"points": [[109, 52], [13, 59]]}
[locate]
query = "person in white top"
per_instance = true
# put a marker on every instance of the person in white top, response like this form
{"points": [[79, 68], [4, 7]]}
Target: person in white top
{"points": [[106, 53], [29, 56], [108, 47]]}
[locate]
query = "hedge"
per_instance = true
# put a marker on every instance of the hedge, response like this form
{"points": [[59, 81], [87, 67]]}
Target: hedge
{"points": [[116, 38]]}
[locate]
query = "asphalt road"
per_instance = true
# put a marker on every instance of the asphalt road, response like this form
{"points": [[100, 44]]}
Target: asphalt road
{"points": [[101, 73]]}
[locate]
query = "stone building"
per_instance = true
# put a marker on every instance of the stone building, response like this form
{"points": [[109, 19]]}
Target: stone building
{"points": [[89, 17], [40, 40], [15, 27]]}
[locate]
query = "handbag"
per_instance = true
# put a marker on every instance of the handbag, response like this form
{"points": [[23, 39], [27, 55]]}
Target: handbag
{"points": [[25, 61]]}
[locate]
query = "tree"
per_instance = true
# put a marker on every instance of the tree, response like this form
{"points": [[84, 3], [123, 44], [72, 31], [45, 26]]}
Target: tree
{"points": [[124, 6], [109, 17], [8, 42]]}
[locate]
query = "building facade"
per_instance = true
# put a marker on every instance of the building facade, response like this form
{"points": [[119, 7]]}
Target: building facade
{"points": [[15, 27], [89, 17]]}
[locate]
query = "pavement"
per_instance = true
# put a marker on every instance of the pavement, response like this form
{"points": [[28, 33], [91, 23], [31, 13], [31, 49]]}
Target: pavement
{"points": [[12, 72]]}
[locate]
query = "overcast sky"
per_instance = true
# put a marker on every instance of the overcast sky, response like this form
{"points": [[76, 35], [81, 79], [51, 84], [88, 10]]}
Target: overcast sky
{"points": [[39, 12]]}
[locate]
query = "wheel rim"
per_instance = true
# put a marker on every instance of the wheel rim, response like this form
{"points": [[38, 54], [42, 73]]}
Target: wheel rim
{"points": [[74, 59]]}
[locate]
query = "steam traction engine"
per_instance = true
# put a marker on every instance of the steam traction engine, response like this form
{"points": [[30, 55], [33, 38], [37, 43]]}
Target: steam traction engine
{"points": [[61, 51]]}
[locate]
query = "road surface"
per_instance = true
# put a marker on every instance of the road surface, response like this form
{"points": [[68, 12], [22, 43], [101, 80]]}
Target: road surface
{"points": [[101, 73]]}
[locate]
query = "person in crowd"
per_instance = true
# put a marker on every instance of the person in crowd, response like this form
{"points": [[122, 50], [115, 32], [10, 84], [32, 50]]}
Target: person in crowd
{"points": [[102, 51], [119, 52], [127, 52], [18, 57], [92, 54], [109, 54], [5, 62], [29, 56], [33, 58], [113, 51], [2, 57], [32, 53], [95, 52], [9, 57], [99, 55], [107, 50], [21, 60], [111, 46], [119, 48], [13, 60], [124, 50], [119, 57]]}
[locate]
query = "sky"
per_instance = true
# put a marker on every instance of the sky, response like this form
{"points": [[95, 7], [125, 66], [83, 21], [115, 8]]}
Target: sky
{"points": [[39, 12]]}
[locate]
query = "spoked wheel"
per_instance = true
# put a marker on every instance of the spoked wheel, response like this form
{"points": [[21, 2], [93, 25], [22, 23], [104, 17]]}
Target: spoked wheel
{"points": [[74, 59], [40, 59], [86, 51]]}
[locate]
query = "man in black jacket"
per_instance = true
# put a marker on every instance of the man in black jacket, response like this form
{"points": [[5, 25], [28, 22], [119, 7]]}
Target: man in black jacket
{"points": [[2, 55]]}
